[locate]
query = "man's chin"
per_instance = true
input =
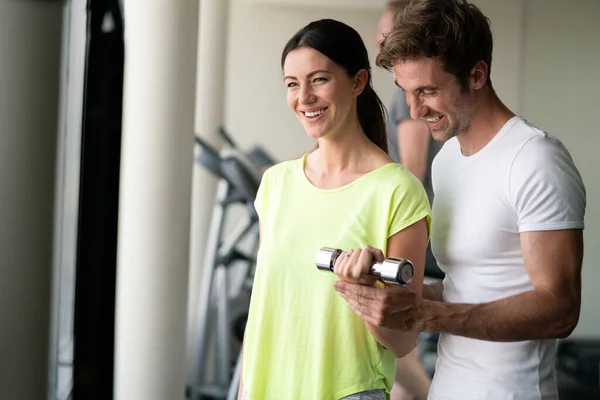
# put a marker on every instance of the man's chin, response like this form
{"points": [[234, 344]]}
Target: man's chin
{"points": [[439, 135]]}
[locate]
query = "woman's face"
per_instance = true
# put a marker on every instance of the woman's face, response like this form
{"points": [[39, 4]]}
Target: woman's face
{"points": [[320, 92]]}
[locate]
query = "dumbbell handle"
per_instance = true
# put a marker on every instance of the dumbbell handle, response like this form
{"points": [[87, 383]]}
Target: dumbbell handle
{"points": [[399, 271]]}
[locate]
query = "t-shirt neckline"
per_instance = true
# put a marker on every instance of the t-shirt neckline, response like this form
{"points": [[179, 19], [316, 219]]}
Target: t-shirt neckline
{"points": [[505, 128], [302, 163]]}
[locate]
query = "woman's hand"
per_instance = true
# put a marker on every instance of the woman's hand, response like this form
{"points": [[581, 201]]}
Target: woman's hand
{"points": [[354, 265]]}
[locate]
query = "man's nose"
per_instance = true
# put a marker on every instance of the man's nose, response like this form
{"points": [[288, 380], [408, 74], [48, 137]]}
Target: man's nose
{"points": [[417, 108]]}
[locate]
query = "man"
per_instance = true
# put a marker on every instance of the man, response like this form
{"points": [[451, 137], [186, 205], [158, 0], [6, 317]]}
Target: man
{"points": [[508, 218], [410, 144], [409, 141]]}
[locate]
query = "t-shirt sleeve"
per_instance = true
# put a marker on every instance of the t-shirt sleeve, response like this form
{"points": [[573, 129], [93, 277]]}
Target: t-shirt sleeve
{"points": [[260, 201], [409, 204], [546, 188]]}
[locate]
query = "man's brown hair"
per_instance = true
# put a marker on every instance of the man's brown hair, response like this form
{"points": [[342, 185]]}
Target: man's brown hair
{"points": [[454, 31]]}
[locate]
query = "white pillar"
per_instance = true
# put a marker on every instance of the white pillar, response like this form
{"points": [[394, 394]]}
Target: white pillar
{"points": [[210, 114], [30, 50], [154, 210]]}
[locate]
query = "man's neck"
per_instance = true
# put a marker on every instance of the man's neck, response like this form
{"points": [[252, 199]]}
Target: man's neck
{"points": [[490, 115]]}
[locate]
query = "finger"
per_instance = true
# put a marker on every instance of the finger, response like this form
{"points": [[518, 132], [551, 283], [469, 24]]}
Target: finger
{"points": [[339, 261], [358, 270], [356, 299], [354, 290], [363, 312], [353, 257], [341, 264], [365, 261], [348, 270], [377, 253]]}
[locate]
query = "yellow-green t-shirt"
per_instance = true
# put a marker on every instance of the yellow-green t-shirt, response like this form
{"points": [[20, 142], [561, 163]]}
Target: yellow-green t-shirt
{"points": [[302, 340]]}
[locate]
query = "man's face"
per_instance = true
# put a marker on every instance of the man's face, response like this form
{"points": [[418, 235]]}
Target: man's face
{"points": [[435, 96], [386, 23]]}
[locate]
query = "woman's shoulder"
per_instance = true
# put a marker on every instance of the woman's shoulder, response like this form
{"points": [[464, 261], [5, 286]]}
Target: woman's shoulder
{"points": [[395, 173], [396, 178], [283, 169]]}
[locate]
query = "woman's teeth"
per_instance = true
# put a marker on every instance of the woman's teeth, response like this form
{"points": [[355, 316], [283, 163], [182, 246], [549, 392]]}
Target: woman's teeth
{"points": [[315, 113]]}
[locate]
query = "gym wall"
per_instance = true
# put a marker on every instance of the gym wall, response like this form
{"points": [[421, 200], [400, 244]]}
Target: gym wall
{"points": [[534, 45], [559, 92]]}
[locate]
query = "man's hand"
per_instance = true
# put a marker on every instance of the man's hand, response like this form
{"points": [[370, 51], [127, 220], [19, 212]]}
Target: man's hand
{"points": [[394, 307], [354, 265]]}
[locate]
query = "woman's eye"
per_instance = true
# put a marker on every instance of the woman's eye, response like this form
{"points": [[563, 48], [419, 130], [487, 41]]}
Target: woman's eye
{"points": [[291, 84], [320, 80]]}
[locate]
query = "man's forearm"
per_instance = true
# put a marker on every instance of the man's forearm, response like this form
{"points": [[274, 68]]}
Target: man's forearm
{"points": [[532, 315], [434, 291]]}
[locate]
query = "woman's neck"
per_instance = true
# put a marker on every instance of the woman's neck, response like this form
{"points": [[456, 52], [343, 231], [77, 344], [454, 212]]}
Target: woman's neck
{"points": [[343, 152]]}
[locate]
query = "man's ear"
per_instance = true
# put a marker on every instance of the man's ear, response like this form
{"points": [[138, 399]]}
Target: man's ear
{"points": [[479, 75], [361, 79]]}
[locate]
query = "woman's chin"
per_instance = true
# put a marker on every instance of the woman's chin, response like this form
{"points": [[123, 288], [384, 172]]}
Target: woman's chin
{"points": [[315, 134]]}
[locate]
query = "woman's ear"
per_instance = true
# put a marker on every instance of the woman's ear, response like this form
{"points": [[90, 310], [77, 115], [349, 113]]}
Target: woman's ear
{"points": [[361, 79]]}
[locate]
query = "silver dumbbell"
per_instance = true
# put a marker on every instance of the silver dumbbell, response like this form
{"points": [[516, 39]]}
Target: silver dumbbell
{"points": [[398, 271]]}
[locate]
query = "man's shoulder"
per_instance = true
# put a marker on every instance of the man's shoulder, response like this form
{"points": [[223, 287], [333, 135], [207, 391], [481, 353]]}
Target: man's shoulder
{"points": [[545, 186], [537, 147], [523, 133]]}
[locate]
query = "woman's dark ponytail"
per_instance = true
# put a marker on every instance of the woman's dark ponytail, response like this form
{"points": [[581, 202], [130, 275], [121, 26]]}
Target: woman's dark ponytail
{"points": [[371, 113]]}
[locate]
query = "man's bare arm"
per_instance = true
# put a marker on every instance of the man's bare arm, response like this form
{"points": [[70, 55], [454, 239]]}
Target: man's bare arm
{"points": [[551, 310], [413, 146]]}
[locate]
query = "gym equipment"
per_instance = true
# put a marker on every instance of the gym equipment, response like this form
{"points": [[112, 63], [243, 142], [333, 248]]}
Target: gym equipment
{"points": [[398, 271], [239, 177], [257, 155], [580, 358]]}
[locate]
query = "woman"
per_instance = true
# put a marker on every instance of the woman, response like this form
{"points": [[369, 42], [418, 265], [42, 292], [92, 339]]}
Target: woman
{"points": [[302, 340]]}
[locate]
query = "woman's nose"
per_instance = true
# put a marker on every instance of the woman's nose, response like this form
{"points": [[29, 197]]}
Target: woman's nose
{"points": [[306, 95]]}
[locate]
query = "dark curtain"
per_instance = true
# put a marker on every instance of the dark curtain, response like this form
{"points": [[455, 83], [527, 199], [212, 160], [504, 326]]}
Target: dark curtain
{"points": [[99, 203]]}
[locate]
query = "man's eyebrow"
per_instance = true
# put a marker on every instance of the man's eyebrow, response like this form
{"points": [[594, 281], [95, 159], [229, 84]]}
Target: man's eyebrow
{"points": [[420, 88], [318, 71], [426, 87]]}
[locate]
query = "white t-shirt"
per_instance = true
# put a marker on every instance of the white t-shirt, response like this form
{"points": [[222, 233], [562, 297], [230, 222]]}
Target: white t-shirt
{"points": [[523, 180]]}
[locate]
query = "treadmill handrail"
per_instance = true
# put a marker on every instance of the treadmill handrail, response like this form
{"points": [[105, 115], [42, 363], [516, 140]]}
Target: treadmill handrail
{"points": [[233, 153]]}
